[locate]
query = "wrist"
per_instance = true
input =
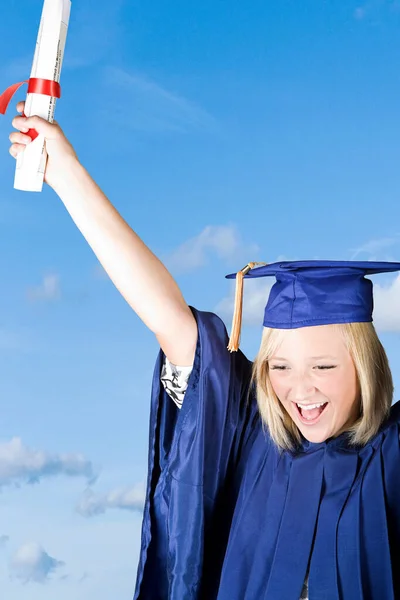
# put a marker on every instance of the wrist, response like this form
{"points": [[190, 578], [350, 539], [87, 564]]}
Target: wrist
{"points": [[60, 176]]}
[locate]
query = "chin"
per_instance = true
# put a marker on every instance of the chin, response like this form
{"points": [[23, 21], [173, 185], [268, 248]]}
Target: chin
{"points": [[315, 434], [315, 437]]}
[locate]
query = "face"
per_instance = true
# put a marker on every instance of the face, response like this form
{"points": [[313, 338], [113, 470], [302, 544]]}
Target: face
{"points": [[314, 377]]}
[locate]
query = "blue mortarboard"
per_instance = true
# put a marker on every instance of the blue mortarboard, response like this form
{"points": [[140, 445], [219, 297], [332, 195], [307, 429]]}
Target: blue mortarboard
{"points": [[312, 292]]}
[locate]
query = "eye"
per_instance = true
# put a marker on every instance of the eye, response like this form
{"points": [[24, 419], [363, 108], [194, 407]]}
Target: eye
{"points": [[325, 367], [278, 367]]}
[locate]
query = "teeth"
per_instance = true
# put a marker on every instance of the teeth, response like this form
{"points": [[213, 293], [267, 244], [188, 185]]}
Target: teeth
{"points": [[310, 406]]}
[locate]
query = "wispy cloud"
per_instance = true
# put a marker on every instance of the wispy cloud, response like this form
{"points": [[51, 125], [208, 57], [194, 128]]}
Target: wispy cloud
{"points": [[373, 8], [15, 342], [48, 290], [376, 249], [84, 577], [152, 107], [32, 564], [359, 13], [21, 465], [95, 32], [4, 539], [221, 241], [92, 504]]}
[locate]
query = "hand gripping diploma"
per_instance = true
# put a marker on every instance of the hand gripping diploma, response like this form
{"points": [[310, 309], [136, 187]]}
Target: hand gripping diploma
{"points": [[43, 90]]}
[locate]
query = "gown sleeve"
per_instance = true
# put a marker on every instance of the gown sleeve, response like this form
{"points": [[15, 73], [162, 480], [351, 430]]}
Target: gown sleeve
{"points": [[193, 453]]}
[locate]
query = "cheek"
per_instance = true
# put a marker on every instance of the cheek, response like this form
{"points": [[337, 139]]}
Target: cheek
{"points": [[280, 387], [342, 391]]}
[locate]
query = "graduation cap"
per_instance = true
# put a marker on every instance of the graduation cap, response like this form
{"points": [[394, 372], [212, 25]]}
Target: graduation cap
{"points": [[311, 292]]}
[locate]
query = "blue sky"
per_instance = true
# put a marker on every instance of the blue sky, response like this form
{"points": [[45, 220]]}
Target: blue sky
{"points": [[224, 132]]}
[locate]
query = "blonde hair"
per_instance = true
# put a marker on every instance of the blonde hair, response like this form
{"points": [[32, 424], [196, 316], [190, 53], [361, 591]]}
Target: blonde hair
{"points": [[374, 378]]}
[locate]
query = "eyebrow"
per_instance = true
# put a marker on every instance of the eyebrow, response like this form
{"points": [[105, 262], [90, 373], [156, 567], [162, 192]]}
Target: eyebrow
{"points": [[323, 356]]}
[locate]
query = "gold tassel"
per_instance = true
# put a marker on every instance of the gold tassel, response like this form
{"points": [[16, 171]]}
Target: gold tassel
{"points": [[234, 339]]}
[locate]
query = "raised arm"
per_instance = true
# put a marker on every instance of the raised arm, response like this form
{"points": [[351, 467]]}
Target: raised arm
{"points": [[137, 273]]}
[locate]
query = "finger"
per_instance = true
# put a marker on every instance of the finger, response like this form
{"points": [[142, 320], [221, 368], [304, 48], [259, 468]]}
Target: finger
{"points": [[20, 123], [20, 107], [16, 149], [19, 138], [49, 130]]}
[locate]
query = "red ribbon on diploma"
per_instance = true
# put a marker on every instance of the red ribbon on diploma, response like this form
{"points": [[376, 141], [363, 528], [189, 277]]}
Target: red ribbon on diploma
{"points": [[46, 87]]}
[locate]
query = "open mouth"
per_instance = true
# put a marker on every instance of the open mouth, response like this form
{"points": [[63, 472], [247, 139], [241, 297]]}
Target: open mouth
{"points": [[310, 413]]}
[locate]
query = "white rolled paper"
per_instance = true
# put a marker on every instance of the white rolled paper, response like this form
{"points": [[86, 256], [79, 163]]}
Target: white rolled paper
{"points": [[47, 64]]}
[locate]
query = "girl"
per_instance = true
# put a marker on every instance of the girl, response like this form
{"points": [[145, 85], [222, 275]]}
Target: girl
{"points": [[278, 480]]}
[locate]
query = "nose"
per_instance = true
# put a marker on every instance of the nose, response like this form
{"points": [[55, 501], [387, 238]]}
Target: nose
{"points": [[302, 388]]}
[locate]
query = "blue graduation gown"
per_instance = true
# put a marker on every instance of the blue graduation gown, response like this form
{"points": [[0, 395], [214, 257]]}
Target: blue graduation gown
{"points": [[229, 517]]}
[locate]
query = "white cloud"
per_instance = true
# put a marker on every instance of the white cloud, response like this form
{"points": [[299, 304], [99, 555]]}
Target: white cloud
{"points": [[22, 465], [223, 241], [387, 306], [256, 292], [386, 297], [255, 296], [47, 291], [152, 107], [85, 545], [32, 564], [132, 499]]}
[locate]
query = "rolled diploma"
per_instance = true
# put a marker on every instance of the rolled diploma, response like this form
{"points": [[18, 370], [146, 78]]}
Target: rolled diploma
{"points": [[47, 63]]}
